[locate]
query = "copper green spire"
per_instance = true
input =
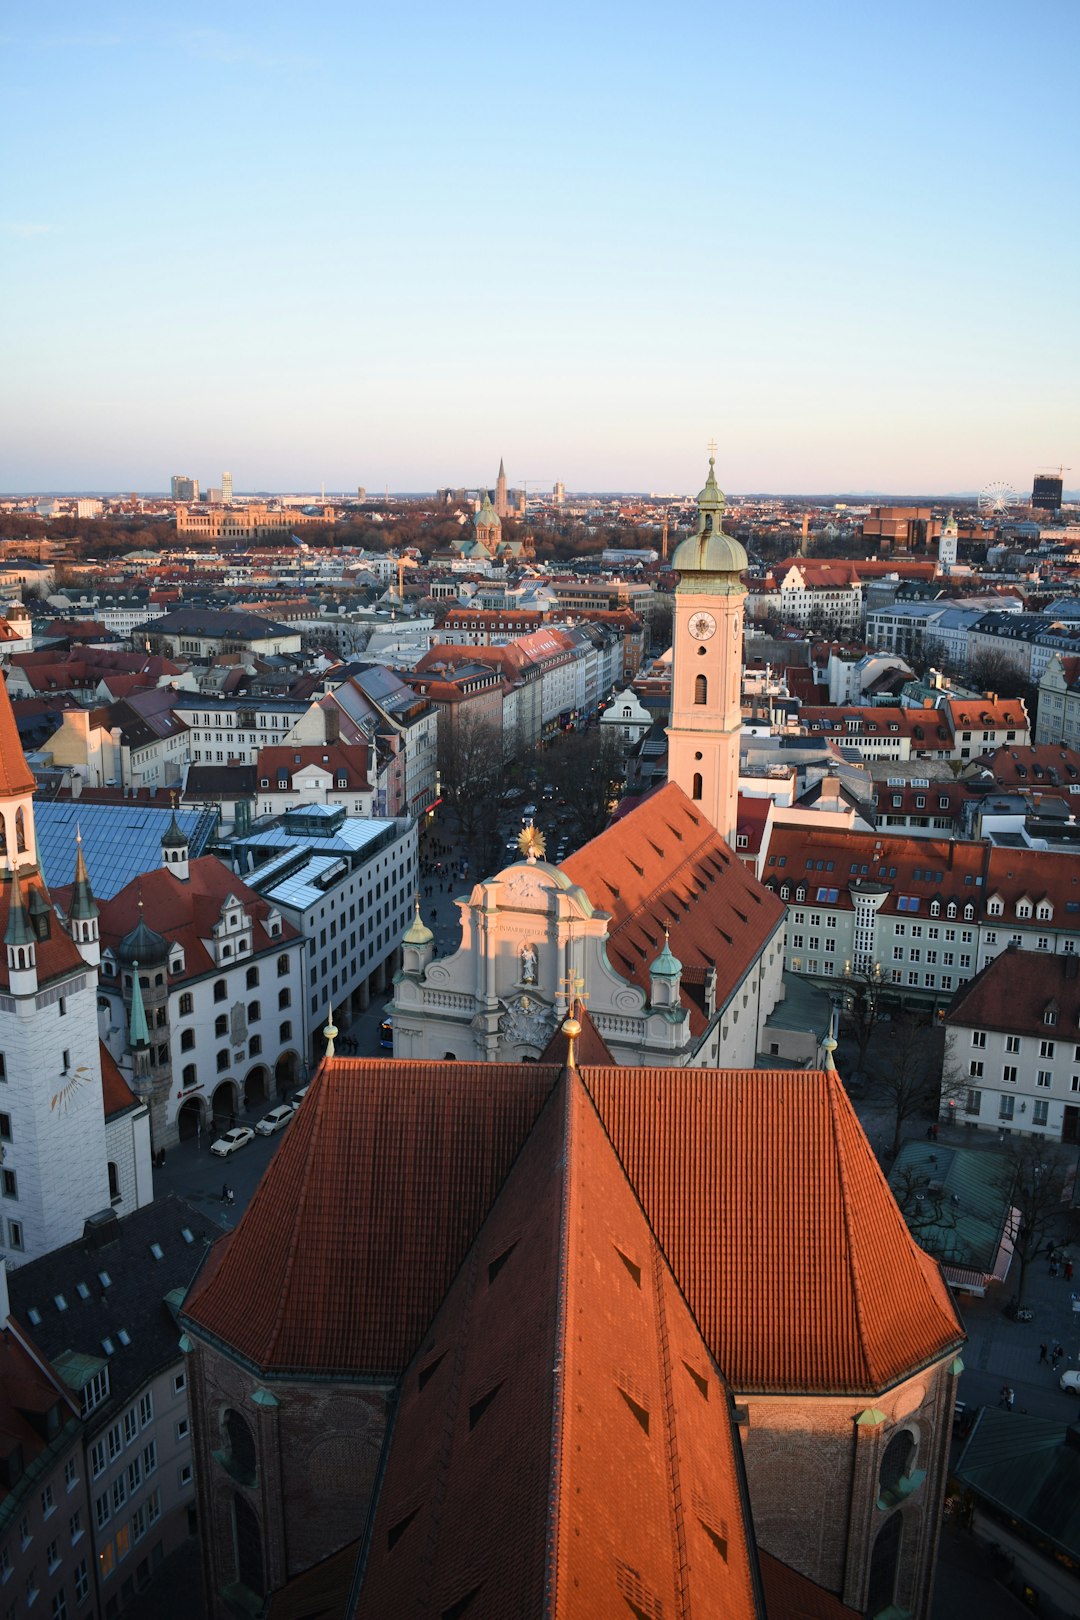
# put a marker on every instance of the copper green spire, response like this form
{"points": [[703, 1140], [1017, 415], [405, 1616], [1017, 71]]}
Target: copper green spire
{"points": [[138, 1032], [19, 931], [83, 905]]}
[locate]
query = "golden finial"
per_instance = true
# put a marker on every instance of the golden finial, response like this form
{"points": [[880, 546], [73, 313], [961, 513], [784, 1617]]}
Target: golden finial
{"points": [[571, 1029], [531, 843], [330, 1032]]}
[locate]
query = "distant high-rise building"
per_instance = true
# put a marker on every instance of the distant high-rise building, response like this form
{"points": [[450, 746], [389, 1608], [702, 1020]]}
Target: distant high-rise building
{"points": [[1046, 492], [361, 493], [226, 486], [558, 494], [216, 497], [184, 488], [502, 504]]}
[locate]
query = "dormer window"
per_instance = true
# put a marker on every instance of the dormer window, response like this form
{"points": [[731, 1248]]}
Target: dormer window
{"points": [[935, 908], [969, 912], [950, 910], [1023, 908], [994, 906], [1044, 911], [1050, 1016]]}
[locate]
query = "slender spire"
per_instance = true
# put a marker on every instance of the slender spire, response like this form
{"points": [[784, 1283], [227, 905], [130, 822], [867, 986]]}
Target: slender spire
{"points": [[83, 905], [502, 469], [138, 1030], [19, 931], [331, 1033]]}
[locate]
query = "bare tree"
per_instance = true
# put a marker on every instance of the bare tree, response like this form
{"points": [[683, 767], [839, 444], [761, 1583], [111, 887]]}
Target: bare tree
{"points": [[588, 772], [910, 1077], [470, 770], [1038, 1181], [863, 989]]}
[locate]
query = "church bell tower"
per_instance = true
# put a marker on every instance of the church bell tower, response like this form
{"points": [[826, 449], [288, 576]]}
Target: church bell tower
{"points": [[706, 681]]}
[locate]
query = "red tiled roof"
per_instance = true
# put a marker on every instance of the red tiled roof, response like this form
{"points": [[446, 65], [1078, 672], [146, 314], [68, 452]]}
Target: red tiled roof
{"points": [[531, 1456], [759, 1186], [116, 1094], [16, 777], [58, 954], [1043, 765], [589, 1046], [984, 714], [915, 868], [665, 866], [185, 912], [26, 1393], [772, 1209], [1014, 992], [752, 818], [791, 1596], [1034, 874], [339, 759], [421, 1161]]}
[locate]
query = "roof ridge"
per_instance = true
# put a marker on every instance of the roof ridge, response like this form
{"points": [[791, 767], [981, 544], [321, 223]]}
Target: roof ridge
{"points": [[845, 1205], [298, 1224], [558, 1372]]}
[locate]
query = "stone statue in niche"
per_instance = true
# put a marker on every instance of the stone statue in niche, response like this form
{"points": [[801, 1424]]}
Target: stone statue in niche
{"points": [[528, 964]]}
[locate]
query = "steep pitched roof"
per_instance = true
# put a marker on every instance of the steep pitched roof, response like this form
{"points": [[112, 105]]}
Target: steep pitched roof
{"points": [[665, 866], [116, 1095], [390, 1168], [1015, 990], [57, 954], [765, 1225], [16, 777], [561, 1393], [418, 1165]]}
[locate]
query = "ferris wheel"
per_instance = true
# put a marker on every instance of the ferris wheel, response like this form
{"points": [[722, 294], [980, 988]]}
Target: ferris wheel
{"points": [[997, 497]]}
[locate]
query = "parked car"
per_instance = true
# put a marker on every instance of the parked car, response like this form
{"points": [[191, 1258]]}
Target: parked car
{"points": [[232, 1141], [275, 1120], [1070, 1381], [299, 1097], [386, 1035]]}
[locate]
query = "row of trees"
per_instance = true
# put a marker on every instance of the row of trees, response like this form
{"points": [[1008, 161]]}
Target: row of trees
{"points": [[484, 773]]}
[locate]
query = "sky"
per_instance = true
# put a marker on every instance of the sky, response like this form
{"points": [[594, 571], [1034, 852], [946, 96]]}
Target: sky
{"points": [[359, 244]]}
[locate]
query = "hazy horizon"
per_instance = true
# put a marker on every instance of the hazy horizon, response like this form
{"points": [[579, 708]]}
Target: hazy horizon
{"points": [[386, 248]]}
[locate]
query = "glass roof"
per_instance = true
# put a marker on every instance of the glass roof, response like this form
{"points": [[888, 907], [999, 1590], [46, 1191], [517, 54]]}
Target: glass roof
{"points": [[120, 841]]}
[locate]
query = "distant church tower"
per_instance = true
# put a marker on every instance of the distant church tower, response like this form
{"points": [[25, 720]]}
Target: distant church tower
{"points": [[502, 504], [488, 527], [947, 546], [706, 682]]}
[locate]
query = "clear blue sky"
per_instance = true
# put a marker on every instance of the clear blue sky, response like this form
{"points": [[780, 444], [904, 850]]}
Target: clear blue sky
{"points": [[388, 244]]}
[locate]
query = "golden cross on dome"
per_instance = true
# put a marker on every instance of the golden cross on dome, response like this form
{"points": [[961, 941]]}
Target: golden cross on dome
{"points": [[712, 447]]}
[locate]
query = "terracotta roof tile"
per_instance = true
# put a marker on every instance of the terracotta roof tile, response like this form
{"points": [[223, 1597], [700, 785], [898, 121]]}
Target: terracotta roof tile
{"points": [[590, 1046], [16, 777], [561, 1403], [791, 1596], [772, 1210], [116, 1094], [421, 1149], [665, 866], [1014, 992]]}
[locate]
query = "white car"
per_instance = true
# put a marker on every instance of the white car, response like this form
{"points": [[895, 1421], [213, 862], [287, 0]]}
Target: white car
{"points": [[299, 1097], [232, 1141], [1070, 1381], [275, 1120]]}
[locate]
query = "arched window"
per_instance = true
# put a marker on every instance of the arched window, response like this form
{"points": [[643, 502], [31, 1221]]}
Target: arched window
{"points": [[114, 1183], [223, 1060], [883, 1563], [190, 1076], [697, 785], [187, 1004], [239, 1454], [20, 829], [249, 1557], [252, 978], [187, 1041], [282, 966], [221, 989], [701, 689], [896, 1461], [221, 1025], [254, 1012]]}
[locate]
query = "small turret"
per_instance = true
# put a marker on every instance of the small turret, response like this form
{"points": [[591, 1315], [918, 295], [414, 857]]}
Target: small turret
{"points": [[418, 945], [138, 1035], [665, 978], [20, 941], [83, 911], [175, 850]]}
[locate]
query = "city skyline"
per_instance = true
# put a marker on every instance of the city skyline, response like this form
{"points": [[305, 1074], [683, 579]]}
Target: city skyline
{"points": [[371, 251]]}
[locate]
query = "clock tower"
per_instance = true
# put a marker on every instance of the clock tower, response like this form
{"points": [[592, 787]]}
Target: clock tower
{"points": [[706, 680]]}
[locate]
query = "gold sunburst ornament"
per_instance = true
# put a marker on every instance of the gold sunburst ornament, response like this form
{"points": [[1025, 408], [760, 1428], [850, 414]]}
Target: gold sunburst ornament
{"points": [[531, 843]]}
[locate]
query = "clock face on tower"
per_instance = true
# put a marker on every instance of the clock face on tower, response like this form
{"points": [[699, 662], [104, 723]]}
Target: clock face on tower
{"points": [[702, 626], [735, 627]]}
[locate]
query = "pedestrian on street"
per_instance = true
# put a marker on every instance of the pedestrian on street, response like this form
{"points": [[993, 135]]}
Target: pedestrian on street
{"points": [[1042, 1353], [1009, 1398], [1003, 1398], [1055, 1356], [1068, 1271], [1053, 1265]]}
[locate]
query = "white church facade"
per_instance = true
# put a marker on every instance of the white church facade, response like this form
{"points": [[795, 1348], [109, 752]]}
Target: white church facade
{"points": [[671, 942]]}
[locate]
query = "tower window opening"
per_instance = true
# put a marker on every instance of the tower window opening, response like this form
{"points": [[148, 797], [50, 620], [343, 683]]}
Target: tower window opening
{"points": [[701, 689], [697, 785]]}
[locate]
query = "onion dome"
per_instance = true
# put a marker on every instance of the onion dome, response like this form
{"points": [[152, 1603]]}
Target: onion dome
{"points": [[143, 945], [419, 933], [710, 550], [173, 838], [666, 965]]}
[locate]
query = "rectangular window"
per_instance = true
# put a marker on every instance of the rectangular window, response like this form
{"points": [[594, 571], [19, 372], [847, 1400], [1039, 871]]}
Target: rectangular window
{"points": [[153, 1506], [134, 1476], [102, 1510], [975, 1069], [98, 1463], [146, 1408], [183, 1429], [131, 1426], [116, 1442], [82, 1581], [1008, 1074], [138, 1524], [978, 1037], [1006, 1107], [119, 1493], [75, 1526], [149, 1457], [1046, 1049], [71, 1473], [1044, 1077], [47, 1504], [1040, 1111], [179, 1383]]}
